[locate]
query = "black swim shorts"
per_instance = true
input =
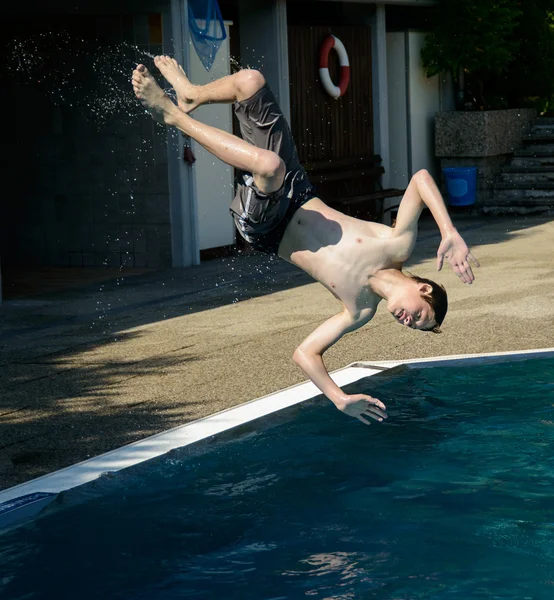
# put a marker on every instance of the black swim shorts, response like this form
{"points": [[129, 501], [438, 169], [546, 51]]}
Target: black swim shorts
{"points": [[262, 218]]}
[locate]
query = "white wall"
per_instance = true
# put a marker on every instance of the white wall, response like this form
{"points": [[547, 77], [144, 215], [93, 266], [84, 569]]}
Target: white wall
{"points": [[397, 97], [379, 74], [264, 44], [413, 101], [424, 102], [212, 178]]}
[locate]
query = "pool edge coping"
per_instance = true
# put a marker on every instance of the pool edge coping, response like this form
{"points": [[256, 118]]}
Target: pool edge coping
{"points": [[26, 499], [176, 437]]}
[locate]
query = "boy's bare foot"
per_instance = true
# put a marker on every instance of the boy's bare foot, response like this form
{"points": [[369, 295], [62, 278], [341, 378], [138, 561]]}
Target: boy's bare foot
{"points": [[152, 97], [187, 95]]}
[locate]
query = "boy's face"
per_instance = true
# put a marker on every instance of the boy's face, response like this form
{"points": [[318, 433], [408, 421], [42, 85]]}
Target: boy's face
{"points": [[413, 310]]}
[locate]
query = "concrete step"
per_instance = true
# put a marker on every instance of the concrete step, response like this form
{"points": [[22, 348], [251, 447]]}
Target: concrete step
{"points": [[526, 175], [542, 130], [499, 208], [529, 195], [528, 169], [531, 151], [543, 126], [537, 148], [529, 157], [542, 137], [529, 161], [527, 184], [514, 198]]}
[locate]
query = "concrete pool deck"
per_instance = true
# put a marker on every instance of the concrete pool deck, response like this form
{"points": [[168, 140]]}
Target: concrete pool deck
{"points": [[93, 369]]}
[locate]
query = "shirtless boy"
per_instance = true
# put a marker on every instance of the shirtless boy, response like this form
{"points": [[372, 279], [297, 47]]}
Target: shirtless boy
{"points": [[277, 211]]}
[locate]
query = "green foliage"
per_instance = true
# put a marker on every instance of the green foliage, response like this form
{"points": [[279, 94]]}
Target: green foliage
{"points": [[500, 52], [532, 72], [473, 36]]}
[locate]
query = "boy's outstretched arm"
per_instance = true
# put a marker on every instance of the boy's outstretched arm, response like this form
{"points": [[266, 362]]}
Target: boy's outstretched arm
{"points": [[309, 357], [422, 191]]}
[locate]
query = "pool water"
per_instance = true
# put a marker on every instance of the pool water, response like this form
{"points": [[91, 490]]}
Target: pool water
{"points": [[452, 497]]}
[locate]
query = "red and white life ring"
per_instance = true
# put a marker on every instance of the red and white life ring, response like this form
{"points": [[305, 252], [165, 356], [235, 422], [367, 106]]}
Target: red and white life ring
{"points": [[334, 91]]}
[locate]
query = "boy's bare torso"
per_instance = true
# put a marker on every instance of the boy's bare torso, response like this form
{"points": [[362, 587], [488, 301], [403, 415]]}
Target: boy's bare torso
{"points": [[343, 253], [358, 261]]}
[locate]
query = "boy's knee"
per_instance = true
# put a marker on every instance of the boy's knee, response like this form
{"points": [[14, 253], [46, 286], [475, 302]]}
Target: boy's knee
{"points": [[422, 174], [249, 81]]}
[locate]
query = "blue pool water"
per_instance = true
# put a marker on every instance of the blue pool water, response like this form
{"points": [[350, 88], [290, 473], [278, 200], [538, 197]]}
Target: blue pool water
{"points": [[452, 497]]}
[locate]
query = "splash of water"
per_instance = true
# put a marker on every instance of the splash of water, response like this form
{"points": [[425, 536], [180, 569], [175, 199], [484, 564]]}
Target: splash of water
{"points": [[75, 72]]}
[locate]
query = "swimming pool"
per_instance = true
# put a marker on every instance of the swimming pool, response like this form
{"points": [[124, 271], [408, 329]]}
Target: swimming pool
{"points": [[452, 497]]}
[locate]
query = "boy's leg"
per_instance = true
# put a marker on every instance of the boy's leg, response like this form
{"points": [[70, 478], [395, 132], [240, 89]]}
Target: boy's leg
{"points": [[266, 166], [239, 86]]}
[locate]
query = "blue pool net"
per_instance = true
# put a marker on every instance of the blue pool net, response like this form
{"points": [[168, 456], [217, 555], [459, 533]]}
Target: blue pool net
{"points": [[207, 29]]}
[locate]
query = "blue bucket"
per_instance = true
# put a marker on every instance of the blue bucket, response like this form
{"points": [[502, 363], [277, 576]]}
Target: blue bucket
{"points": [[461, 183]]}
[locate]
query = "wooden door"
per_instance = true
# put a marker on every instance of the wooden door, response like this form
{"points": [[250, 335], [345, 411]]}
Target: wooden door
{"points": [[325, 128]]}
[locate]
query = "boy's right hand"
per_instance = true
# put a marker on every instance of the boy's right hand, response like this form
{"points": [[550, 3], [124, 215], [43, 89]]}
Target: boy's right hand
{"points": [[362, 407]]}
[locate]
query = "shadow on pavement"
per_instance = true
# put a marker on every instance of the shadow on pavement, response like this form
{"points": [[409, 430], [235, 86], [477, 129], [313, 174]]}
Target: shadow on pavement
{"points": [[64, 396]]}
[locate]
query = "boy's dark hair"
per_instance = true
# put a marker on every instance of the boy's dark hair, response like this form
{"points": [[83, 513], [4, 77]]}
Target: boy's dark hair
{"points": [[437, 300]]}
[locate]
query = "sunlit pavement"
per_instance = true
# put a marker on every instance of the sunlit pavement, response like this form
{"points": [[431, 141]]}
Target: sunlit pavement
{"points": [[93, 368]]}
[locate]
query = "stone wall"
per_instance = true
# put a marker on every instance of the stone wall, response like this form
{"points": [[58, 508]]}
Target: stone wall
{"points": [[481, 133], [93, 185], [482, 139]]}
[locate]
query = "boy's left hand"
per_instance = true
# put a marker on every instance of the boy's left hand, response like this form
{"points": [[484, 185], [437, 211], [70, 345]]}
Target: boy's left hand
{"points": [[456, 252]]}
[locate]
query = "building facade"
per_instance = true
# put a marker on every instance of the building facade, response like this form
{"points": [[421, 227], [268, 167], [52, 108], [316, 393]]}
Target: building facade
{"points": [[96, 183]]}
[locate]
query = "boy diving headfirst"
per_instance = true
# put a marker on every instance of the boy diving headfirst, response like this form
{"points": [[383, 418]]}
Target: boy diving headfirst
{"points": [[278, 212]]}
